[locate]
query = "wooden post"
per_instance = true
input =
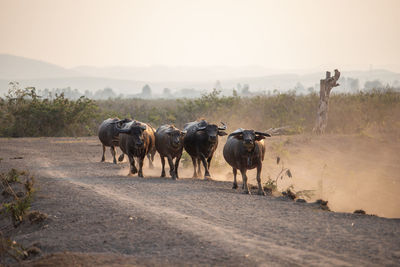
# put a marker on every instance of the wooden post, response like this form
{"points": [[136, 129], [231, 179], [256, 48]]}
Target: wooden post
{"points": [[326, 86]]}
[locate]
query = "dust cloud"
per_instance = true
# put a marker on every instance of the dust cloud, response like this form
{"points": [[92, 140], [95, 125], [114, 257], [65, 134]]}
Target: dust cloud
{"points": [[350, 171]]}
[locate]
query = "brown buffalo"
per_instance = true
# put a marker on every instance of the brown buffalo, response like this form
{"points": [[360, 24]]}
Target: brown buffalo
{"points": [[137, 139]]}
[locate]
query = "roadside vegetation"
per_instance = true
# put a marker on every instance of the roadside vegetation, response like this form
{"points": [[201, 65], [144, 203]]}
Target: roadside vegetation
{"points": [[16, 195], [25, 113]]}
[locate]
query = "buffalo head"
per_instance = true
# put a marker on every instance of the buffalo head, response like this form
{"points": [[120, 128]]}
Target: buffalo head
{"points": [[248, 137], [212, 130], [176, 136], [135, 130]]}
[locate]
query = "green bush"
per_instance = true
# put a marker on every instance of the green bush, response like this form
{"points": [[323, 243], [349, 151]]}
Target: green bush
{"points": [[24, 113]]}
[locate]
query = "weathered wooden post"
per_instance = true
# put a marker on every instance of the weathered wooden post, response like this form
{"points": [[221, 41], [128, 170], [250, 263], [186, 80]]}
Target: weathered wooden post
{"points": [[326, 86]]}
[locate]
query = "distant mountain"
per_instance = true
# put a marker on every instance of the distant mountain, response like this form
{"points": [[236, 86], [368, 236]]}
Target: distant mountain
{"points": [[20, 68], [130, 80], [174, 74]]}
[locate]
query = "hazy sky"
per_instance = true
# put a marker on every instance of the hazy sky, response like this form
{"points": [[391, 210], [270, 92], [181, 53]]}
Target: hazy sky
{"points": [[292, 34]]}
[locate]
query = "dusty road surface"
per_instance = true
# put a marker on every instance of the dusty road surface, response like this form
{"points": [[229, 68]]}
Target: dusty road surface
{"points": [[99, 216]]}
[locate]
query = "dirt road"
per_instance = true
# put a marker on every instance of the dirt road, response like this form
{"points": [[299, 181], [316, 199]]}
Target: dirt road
{"points": [[94, 207]]}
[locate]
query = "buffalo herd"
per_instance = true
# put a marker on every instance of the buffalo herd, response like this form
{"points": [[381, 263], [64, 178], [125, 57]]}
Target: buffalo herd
{"points": [[243, 150]]}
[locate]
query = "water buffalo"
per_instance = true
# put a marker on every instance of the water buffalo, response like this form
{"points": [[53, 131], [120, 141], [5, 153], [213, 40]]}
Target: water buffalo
{"points": [[169, 144], [109, 136], [244, 150], [137, 139], [201, 141]]}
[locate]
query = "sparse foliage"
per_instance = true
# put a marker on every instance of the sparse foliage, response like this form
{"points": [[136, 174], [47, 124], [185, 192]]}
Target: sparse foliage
{"points": [[11, 249], [23, 112], [19, 204]]}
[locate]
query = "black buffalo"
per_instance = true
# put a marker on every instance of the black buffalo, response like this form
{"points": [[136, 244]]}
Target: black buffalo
{"points": [[244, 150], [169, 144], [109, 136], [137, 139], [200, 142]]}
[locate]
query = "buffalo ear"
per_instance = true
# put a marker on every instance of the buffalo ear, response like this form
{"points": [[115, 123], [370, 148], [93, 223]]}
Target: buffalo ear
{"points": [[259, 137], [221, 133]]}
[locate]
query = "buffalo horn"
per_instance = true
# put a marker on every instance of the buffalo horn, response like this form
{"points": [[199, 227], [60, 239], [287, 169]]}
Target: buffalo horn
{"points": [[121, 121], [223, 127], [264, 134], [237, 132]]}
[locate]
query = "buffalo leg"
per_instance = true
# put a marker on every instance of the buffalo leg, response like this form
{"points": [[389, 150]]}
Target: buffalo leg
{"points": [[205, 164], [194, 167], [171, 167], [260, 189], [178, 158], [104, 151], [163, 165], [112, 149], [209, 162], [121, 157], [238, 164], [244, 177], [151, 166], [141, 160], [235, 186], [133, 169], [199, 167]]}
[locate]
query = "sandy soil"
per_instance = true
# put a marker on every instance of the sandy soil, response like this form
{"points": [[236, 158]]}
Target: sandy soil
{"points": [[99, 216]]}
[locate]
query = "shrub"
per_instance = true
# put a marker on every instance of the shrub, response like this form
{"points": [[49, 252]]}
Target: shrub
{"points": [[24, 113], [20, 204]]}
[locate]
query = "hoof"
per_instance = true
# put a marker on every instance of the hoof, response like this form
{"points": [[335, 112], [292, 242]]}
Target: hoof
{"points": [[121, 158], [246, 192], [261, 193], [102, 160], [114, 161], [162, 174], [235, 186], [208, 178]]}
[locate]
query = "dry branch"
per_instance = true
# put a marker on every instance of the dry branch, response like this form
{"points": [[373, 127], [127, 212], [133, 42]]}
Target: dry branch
{"points": [[326, 86]]}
